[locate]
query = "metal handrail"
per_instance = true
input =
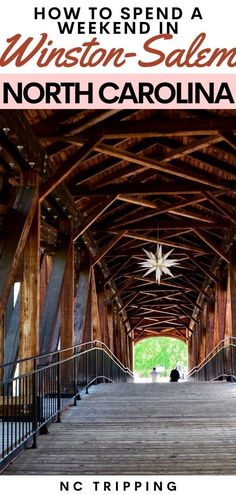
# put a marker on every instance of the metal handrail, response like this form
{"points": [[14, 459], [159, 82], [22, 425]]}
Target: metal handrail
{"points": [[67, 349], [219, 363], [31, 401], [222, 345]]}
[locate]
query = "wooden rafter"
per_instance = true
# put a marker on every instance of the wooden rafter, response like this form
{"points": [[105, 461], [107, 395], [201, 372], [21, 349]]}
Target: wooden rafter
{"points": [[63, 172], [211, 244], [154, 164], [171, 244], [168, 127], [108, 247], [135, 326], [203, 269], [93, 217], [132, 189], [221, 207]]}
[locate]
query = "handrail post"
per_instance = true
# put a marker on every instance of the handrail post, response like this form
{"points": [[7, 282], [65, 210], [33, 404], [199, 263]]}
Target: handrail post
{"points": [[86, 377], [35, 405], [58, 388], [96, 366], [103, 364], [75, 377]]}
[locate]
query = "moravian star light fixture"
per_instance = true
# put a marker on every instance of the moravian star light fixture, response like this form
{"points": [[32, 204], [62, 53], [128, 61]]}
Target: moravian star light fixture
{"points": [[159, 263]]}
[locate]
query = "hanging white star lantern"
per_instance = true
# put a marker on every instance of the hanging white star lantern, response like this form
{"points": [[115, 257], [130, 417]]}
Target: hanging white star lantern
{"points": [[158, 262]]}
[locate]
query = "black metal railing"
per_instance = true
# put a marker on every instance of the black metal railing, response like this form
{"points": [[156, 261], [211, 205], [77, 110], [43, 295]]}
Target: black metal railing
{"points": [[49, 383], [220, 363]]}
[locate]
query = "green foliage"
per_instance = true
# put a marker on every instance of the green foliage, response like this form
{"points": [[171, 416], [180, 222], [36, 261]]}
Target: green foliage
{"points": [[159, 351]]}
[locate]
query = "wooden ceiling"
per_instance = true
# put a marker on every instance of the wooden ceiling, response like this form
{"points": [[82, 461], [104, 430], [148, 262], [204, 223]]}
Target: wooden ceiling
{"points": [[131, 174]]}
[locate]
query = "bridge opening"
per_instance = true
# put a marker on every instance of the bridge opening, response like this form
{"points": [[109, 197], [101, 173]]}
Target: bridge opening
{"points": [[163, 353]]}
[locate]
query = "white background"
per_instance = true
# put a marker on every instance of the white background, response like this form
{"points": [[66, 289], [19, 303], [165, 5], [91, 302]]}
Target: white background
{"points": [[218, 22], [186, 485]]}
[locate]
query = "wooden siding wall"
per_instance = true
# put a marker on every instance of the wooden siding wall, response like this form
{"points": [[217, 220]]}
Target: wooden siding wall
{"points": [[77, 303], [217, 320]]}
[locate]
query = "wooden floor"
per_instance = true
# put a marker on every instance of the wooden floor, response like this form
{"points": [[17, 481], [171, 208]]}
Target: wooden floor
{"points": [[166, 428]]}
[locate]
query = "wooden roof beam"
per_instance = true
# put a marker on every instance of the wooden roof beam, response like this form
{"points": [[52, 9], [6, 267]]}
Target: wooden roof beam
{"points": [[131, 299], [167, 284], [230, 138], [113, 275], [146, 188], [135, 217], [93, 217], [135, 326], [172, 244], [150, 163], [182, 150], [169, 127], [47, 126], [220, 207], [187, 314], [203, 269], [191, 302], [185, 325], [125, 285], [212, 245], [195, 286], [173, 225], [137, 201], [108, 247], [66, 169]]}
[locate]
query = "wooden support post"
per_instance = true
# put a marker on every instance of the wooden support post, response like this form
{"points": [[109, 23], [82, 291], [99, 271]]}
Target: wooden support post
{"points": [[52, 299], [220, 311], [11, 344], [210, 322], [202, 350], [67, 320], [230, 329], [96, 331], [110, 320], [102, 309], [122, 342], [11, 248], [67, 303], [87, 328], [116, 332], [2, 337], [233, 289], [45, 272], [131, 345], [106, 322], [29, 297], [82, 298]]}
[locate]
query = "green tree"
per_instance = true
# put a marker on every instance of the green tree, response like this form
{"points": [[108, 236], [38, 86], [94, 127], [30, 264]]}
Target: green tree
{"points": [[159, 351]]}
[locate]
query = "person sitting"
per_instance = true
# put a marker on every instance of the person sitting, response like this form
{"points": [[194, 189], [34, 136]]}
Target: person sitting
{"points": [[154, 374], [174, 375]]}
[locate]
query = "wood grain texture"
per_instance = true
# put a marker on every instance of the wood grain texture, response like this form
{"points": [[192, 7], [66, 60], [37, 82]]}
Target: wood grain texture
{"points": [[141, 429]]}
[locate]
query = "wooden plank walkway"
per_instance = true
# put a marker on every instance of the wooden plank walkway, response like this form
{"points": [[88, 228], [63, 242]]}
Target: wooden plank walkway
{"points": [[163, 428]]}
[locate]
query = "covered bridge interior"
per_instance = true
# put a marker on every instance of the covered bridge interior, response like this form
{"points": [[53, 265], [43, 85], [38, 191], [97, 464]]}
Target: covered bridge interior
{"points": [[83, 193]]}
